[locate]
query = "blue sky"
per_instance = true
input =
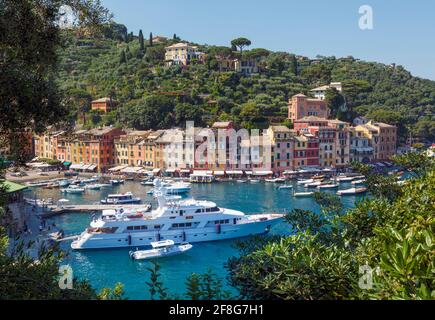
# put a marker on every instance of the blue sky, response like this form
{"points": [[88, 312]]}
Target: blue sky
{"points": [[403, 33]]}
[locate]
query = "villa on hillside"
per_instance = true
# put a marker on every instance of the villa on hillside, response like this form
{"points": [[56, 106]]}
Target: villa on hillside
{"points": [[182, 54], [104, 104], [320, 92], [301, 106]]}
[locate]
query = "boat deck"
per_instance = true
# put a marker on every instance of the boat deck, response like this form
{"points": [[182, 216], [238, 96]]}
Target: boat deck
{"points": [[53, 210]]}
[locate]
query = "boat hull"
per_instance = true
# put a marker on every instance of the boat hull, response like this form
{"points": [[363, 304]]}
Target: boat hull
{"points": [[123, 240]]}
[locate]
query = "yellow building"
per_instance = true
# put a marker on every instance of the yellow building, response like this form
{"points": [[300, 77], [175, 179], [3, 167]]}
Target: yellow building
{"points": [[182, 54], [46, 144], [382, 137]]}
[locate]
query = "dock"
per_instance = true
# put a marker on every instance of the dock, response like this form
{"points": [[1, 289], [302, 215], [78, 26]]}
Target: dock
{"points": [[52, 210]]}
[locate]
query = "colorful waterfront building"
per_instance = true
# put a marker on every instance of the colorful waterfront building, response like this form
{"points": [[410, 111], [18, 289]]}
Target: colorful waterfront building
{"points": [[342, 143], [306, 151], [360, 148], [128, 148], [382, 137], [46, 143], [93, 147], [301, 106], [282, 148]]}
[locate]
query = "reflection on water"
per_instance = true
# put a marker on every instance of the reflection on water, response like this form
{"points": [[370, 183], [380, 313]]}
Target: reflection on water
{"points": [[107, 267]]}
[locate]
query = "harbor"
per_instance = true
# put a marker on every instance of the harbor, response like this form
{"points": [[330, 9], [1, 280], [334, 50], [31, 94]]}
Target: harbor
{"points": [[116, 264]]}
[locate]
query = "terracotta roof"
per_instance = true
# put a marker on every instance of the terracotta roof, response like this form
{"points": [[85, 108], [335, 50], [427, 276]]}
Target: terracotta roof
{"points": [[223, 124], [311, 118], [280, 129], [105, 99]]}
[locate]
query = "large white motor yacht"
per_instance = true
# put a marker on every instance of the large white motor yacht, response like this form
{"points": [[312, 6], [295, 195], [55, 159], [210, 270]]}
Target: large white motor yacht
{"points": [[175, 219]]}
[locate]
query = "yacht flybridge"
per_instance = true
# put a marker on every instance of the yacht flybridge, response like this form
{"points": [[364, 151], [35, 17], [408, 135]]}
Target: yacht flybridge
{"points": [[175, 219]]}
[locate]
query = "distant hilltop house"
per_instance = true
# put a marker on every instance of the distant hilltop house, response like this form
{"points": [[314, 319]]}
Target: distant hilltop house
{"points": [[301, 106], [104, 104], [159, 39], [246, 66], [320, 92], [182, 54]]}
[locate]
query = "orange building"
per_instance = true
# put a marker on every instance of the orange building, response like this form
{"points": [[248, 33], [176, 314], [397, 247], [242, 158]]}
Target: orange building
{"points": [[104, 104], [301, 106], [89, 147]]}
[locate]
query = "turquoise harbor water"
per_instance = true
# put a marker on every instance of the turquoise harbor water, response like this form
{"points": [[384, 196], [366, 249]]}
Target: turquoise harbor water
{"points": [[104, 268]]}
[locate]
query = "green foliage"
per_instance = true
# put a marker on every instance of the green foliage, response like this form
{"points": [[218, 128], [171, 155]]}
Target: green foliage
{"points": [[392, 236], [155, 284], [95, 68], [117, 293], [205, 286]]}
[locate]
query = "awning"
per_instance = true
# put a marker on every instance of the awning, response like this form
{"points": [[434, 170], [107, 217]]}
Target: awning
{"points": [[234, 172], [76, 166], [11, 187], [157, 170], [185, 170], [200, 173], [290, 172], [262, 173], [89, 167], [115, 169], [67, 163], [131, 169], [248, 173], [219, 173], [170, 170], [209, 172]]}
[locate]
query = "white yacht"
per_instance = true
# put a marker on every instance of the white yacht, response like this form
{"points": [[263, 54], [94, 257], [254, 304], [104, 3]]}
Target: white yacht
{"points": [[177, 220], [124, 198]]}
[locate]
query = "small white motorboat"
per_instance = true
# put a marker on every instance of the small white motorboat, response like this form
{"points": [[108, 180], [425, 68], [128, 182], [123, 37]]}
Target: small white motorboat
{"points": [[254, 180], [116, 181], [305, 181], [287, 186], [344, 179], [328, 186], [351, 191], [313, 184], [276, 180], [361, 181], [94, 186], [147, 183], [124, 198], [73, 189], [161, 249], [302, 194], [241, 181]]}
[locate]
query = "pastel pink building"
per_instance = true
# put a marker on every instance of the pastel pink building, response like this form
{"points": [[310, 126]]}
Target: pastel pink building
{"points": [[301, 106]]}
